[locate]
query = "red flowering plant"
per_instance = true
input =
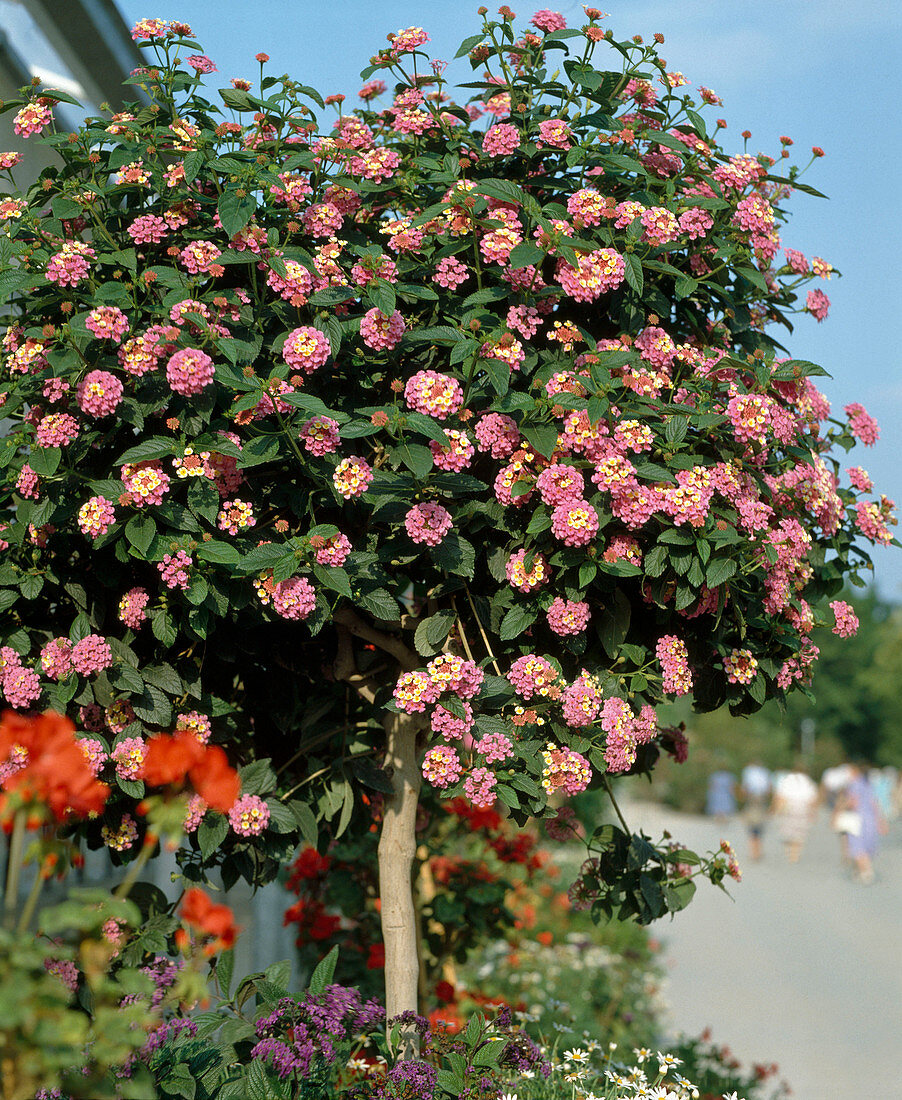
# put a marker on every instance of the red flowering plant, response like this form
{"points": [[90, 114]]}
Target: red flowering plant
{"points": [[445, 439], [75, 1001]]}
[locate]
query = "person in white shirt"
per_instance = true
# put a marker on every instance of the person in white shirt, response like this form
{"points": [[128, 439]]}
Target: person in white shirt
{"points": [[795, 804]]}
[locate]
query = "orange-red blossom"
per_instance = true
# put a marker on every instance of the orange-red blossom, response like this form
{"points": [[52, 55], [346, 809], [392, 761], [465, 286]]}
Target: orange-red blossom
{"points": [[56, 772], [218, 921], [170, 761]]}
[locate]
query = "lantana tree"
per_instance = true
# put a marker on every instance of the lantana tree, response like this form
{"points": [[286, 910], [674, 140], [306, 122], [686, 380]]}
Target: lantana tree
{"points": [[445, 439]]}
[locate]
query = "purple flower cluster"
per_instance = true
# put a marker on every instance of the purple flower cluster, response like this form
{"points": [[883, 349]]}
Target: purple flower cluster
{"points": [[415, 1080], [298, 1030]]}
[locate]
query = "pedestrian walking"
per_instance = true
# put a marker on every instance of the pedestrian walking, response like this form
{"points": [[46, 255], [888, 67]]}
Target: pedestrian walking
{"points": [[795, 805], [864, 822], [755, 788], [721, 798]]}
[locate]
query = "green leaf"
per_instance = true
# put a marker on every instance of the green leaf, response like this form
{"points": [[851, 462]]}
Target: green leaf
{"points": [[193, 163], [211, 832], [454, 554], [517, 619], [306, 822], [150, 448], [263, 448], [222, 553], [380, 604], [526, 254], [322, 975], [719, 570], [333, 577], [140, 531], [633, 272], [541, 437], [417, 458], [382, 295], [431, 633], [235, 211], [44, 460], [257, 777]]}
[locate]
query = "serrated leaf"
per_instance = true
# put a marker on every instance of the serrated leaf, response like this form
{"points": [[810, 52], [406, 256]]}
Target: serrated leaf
{"points": [[381, 604], [235, 211], [719, 570], [140, 531], [211, 832], [632, 266], [516, 620]]}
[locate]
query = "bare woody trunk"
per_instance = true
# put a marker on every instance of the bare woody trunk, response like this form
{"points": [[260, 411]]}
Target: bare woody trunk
{"points": [[397, 850]]}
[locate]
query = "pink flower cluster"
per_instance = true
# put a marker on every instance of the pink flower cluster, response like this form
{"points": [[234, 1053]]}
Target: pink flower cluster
{"points": [[107, 323], [568, 616], [174, 569], [249, 815], [189, 371], [581, 701], [334, 551], [56, 430], [479, 787], [381, 331], [427, 523], [846, 619], [740, 666], [456, 455], [434, 394], [91, 654], [533, 675], [442, 766], [235, 516], [145, 482], [596, 273], [294, 598], [495, 747], [674, 659], [498, 434], [575, 522], [56, 658], [99, 393], [565, 770], [450, 273], [625, 732], [320, 436], [306, 349], [131, 608], [352, 477], [449, 725], [861, 425], [96, 516], [501, 140], [523, 579], [70, 265], [129, 756]]}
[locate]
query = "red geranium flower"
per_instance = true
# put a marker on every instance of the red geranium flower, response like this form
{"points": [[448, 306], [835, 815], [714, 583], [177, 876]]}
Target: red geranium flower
{"points": [[172, 760], [217, 921], [56, 772]]}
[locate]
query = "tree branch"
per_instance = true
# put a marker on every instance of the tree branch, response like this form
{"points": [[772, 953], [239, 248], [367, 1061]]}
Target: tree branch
{"points": [[406, 658]]}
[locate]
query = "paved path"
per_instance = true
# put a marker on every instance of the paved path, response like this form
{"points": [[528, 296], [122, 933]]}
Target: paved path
{"points": [[803, 968]]}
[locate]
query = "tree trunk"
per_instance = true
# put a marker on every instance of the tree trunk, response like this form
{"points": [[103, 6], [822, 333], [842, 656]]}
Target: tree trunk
{"points": [[397, 849]]}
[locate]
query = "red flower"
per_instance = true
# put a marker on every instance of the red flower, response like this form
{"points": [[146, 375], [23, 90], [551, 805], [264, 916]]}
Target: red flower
{"points": [[56, 772], [170, 760], [376, 957], [216, 921]]}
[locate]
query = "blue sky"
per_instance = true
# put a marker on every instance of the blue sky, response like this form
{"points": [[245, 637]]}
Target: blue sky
{"points": [[821, 73]]}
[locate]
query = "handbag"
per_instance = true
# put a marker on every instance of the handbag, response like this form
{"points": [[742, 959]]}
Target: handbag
{"points": [[848, 822]]}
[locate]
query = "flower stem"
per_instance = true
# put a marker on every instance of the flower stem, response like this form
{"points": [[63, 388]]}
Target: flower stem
{"points": [[32, 900], [609, 789], [124, 887], [14, 867]]}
